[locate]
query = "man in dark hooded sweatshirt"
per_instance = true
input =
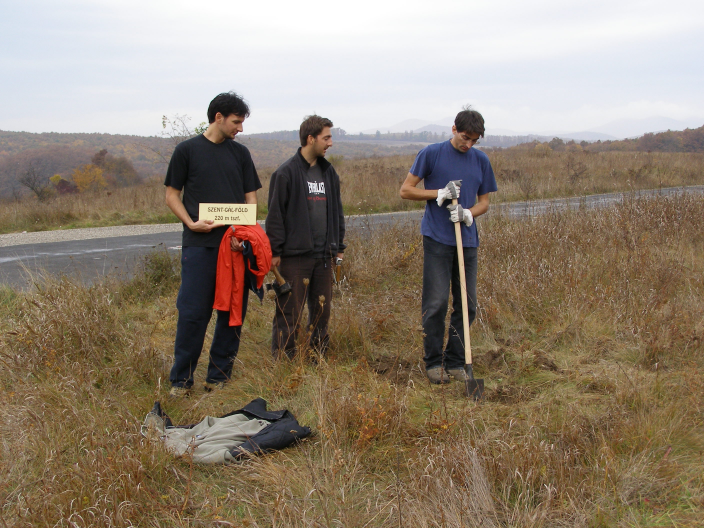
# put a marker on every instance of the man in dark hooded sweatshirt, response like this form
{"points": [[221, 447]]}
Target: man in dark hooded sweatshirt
{"points": [[306, 227]]}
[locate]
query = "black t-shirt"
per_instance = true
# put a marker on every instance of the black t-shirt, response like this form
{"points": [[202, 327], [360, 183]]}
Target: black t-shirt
{"points": [[210, 173], [317, 210]]}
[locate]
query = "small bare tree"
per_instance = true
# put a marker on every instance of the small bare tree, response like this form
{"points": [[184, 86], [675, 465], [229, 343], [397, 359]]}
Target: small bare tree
{"points": [[36, 182], [176, 129], [527, 184], [575, 169], [16, 192]]}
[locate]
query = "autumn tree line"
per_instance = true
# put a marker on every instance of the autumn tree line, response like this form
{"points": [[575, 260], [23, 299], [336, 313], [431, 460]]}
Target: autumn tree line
{"points": [[50, 164], [103, 171]]}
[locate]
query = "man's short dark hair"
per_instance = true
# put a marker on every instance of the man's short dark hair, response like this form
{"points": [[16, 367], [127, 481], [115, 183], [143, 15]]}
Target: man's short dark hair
{"points": [[313, 125], [470, 121], [227, 103]]}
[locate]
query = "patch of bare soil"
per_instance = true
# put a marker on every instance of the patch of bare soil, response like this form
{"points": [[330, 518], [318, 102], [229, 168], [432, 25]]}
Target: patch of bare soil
{"points": [[397, 370], [493, 360], [544, 362]]}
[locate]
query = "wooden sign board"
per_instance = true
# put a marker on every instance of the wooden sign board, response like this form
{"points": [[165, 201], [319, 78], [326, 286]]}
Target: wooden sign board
{"points": [[228, 214]]}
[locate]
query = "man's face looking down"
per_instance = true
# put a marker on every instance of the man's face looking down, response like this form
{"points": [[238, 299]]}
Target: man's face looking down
{"points": [[322, 142], [229, 126], [463, 141]]}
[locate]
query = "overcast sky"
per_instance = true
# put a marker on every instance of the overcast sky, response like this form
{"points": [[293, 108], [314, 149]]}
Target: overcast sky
{"points": [[118, 66]]}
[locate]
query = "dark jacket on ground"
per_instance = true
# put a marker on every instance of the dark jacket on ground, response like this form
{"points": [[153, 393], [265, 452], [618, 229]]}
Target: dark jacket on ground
{"points": [[287, 223], [283, 431]]}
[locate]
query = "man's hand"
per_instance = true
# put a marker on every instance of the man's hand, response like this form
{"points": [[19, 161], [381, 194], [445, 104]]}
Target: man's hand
{"points": [[236, 245], [275, 262], [203, 226], [451, 191], [457, 214]]}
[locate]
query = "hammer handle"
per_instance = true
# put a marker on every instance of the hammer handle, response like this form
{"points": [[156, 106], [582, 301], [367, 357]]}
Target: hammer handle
{"points": [[278, 276]]}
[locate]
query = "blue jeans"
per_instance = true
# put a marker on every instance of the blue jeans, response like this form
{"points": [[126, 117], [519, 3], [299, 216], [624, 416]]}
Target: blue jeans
{"points": [[195, 309], [440, 275]]}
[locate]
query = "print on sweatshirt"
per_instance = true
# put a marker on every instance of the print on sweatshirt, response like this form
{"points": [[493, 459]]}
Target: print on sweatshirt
{"points": [[315, 190]]}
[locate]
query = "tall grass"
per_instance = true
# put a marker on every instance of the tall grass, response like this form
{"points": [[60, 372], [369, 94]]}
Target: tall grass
{"points": [[371, 185], [589, 336], [545, 174]]}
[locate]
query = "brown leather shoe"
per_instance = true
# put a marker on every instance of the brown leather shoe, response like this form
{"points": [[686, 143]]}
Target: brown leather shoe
{"points": [[210, 387], [179, 392], [459, 374], [437, 375]]}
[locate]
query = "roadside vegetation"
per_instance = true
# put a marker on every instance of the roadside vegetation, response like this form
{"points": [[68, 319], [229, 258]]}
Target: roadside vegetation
{"points": [[589, 336], [371, 185]]}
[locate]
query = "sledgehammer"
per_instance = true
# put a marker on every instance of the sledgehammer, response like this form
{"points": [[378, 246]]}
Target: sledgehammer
{"points": [[472, 387]]}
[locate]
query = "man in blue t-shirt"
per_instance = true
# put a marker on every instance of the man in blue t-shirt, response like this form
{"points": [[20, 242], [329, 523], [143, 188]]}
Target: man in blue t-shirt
{"points": [[440, 166]]}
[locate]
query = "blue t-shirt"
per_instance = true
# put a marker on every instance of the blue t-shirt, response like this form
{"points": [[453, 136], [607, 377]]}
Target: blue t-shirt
{"points": [[441, 163]]}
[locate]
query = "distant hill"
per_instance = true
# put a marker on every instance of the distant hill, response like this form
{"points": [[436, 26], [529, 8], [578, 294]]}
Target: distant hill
{"points": [[631, 128], [688, 140], [437, 129], [413, 125], [407, 142], [138, 149], [613, 130], [585, 135], [58, 153]]}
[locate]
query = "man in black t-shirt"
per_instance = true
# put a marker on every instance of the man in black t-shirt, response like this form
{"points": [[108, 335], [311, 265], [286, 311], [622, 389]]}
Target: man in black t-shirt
{"points": [[208, 168], [306, 228]]}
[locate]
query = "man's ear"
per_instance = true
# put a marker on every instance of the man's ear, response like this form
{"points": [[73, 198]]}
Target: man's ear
{"points": [[219, 118], [311, 140]]}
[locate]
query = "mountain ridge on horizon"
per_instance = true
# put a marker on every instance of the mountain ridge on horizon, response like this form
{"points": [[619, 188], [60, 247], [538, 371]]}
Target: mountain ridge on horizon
{"points": [[613, 130]]}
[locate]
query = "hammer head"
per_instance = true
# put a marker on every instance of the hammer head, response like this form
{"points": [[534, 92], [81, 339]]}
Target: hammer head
{"points": [[279, 290]]}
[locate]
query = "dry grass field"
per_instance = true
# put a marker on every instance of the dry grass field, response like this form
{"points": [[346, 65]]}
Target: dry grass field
{"points": [[371, 185], [589, 337]]}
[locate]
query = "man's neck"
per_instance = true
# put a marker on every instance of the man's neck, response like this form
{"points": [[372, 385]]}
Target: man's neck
{"points": [[309, 155], [213, 134]]}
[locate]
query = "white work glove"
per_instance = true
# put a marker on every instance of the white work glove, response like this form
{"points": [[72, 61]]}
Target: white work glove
{"points": [[451, 191], [457, 214]]}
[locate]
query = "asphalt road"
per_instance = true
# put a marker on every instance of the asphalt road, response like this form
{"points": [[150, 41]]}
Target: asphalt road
{"points": [[99, 252]]}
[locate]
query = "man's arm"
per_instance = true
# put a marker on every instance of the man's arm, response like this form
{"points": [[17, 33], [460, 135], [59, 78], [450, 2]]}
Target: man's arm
{"points": [[410, 190], [341, 219], [482, 205], [173, 200], [277, 202]]}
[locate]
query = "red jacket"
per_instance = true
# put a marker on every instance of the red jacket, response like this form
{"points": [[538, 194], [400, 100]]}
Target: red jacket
{"points": [[229, 282]]}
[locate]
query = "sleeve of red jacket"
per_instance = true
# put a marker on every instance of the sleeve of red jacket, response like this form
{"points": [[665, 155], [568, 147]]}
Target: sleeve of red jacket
{"points": [[261, 248]]}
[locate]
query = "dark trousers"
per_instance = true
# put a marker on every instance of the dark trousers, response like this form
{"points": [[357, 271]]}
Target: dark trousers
{"points": [[317, 293], [440, 274], [195, 308]]}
